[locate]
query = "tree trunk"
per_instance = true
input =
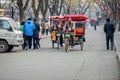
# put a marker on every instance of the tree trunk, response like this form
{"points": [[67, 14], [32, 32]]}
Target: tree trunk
{"points": [[37, 14], [44, 15], [21, 11]]}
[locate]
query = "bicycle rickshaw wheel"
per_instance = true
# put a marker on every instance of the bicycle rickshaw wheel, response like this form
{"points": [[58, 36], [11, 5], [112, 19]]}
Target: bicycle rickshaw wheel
{"points": [[66, 45]]}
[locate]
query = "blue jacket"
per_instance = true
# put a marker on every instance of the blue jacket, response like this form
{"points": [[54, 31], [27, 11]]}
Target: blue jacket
{"points": [[29, 27], [109, 29]]}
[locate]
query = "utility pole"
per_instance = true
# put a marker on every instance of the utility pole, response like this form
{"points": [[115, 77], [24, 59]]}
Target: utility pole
{"points": [[0, 4], [12, 9]]}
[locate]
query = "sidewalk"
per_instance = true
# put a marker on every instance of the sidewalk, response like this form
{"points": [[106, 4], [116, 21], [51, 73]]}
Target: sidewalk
{"points": [[117, 43], [44, 36]]}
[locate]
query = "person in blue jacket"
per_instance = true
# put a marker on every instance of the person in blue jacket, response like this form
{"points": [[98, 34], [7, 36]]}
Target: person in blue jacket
{"points": [[29, 27], [109, 29]]}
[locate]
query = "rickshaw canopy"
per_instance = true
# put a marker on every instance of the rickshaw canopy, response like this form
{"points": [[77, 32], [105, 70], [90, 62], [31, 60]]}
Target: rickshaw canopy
{"points": [[55, 18], [76, 17]]}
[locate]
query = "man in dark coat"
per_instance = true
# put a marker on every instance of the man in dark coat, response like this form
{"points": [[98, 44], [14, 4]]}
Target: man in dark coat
{"points": [[36, 34], [109, 29]]}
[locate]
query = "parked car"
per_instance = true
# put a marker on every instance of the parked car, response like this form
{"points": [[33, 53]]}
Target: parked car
{"points": [[10, 35]]}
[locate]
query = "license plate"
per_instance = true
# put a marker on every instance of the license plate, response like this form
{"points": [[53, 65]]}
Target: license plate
{"points": [[58, 34], [67, 35]]}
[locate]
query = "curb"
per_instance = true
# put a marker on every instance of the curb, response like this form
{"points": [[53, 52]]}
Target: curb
{"points": [[117, 46]]}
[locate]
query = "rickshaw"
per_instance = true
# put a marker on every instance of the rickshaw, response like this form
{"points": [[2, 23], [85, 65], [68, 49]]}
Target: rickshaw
{"points": [[78, 33], [55, 35], [92, 21]]}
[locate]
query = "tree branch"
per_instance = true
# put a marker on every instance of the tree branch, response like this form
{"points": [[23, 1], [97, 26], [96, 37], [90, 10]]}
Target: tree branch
{"points": [[26, 4]]}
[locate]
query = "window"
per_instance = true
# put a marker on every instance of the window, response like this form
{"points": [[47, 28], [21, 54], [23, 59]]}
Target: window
{"points": [[4, 24]]}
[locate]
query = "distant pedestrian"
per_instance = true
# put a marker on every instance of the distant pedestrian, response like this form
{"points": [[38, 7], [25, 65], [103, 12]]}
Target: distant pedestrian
{"points": [[95, 25], [36, 34], [40, 37], [109, 29], [43, 27], [29, 27], [47, 27]]}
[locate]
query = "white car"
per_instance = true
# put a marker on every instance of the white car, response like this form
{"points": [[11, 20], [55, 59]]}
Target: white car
{"points": [[10, 35]]}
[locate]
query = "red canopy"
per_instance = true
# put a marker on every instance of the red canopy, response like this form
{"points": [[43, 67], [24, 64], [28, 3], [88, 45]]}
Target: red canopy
{"points": [[76, 17], [59, 17]]}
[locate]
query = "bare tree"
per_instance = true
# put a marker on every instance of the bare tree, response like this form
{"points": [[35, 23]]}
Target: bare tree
{"points": [[36, 7], [86, 5], [68, 6], [22, 8], [78, 5], [44, 8], [56, 7]]}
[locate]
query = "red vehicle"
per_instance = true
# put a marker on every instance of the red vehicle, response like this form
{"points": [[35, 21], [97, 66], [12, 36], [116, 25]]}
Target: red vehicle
{"points": [[79, 30]]}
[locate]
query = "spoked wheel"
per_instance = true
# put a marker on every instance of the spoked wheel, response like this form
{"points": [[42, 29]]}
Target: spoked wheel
{"points": [[66, 45], [58, 42], [3, 46]]}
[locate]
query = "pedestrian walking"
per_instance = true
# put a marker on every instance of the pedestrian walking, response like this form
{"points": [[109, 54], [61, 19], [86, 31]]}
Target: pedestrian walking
{"points": [[40, 36], [43, 27], [95, 25], [36, 34], [29, 27], [109, 29], [47, 27], [21, 29]]}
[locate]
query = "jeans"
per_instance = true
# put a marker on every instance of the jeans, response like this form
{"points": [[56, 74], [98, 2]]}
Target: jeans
{"points": [[111, 39], [43, 31], [28, 41], [35, 43], [46, 31], [24, 42]]}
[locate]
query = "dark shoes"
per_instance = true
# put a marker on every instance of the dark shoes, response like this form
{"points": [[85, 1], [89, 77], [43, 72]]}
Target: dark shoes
{"points": [[111, 48], [108, 48]]}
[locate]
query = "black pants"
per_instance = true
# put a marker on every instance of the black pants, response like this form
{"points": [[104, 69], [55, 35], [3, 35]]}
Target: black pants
{"points": [[35, 43], [109, 39], [61, 40], [28, 41], [43, 31], [47, 31], [24, 42], [72, 40]]}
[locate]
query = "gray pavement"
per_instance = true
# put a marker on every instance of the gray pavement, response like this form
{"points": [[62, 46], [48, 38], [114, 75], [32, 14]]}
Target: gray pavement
{"points": [[93, 63]]}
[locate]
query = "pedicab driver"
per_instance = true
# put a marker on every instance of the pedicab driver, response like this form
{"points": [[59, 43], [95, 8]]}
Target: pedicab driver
{"points": [[70, 28]]}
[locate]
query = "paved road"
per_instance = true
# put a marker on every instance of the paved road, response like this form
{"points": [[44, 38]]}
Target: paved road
{"points": [[94, 63]]}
